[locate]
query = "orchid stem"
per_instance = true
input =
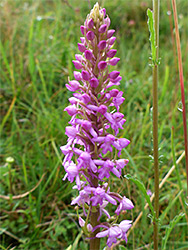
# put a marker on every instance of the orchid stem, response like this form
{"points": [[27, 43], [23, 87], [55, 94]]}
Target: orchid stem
{"points": [[155, 123]]}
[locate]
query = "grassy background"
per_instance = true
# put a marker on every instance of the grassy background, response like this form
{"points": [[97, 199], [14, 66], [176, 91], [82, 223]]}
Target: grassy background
{"points": [[38, 42]]}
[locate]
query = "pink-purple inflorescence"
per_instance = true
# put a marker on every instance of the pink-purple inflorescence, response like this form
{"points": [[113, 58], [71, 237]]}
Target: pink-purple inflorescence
{"points": [[93, 148]]}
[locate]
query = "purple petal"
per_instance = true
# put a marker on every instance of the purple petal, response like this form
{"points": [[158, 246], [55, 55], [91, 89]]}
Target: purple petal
{"points": [[113, 61], [111, 53], [88, 54], [102, 45], [102, 65], [110, 33], [102, 234], [81, 47], [77, 64], [85, 75], [102, 28], [90, 35], [94, 82], [90, 24]]}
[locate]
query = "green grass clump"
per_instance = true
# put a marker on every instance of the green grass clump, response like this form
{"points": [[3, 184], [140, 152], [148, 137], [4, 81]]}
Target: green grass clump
{"points": [[38, 43]]}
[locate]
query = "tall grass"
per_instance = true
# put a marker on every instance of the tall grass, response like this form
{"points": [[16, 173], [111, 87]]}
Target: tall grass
{"points": [[38, 43]]}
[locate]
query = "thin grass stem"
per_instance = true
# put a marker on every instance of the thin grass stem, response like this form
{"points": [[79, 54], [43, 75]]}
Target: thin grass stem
{"points": [[181, 85]]}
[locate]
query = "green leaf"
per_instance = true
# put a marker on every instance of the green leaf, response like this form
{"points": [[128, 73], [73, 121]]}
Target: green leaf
{"points": [[122, 247], [169, 229], [152, 34], [142, 188], [69, 248]]}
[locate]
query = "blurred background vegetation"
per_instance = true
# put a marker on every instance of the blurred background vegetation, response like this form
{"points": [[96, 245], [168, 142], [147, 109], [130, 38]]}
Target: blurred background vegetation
{"points": [[38, 43]]}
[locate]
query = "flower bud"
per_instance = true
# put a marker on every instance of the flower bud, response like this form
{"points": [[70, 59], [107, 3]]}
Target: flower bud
{"points": [[102, 65], [102, 109], [77, 64], [85, 75], [102, 45], [77, 75], [113, 61], [79, 57], [111, 40], [90, 24], [90, 35], [94, 82], [81, 47], [82, 29], [74, 85], [111, 53], [114, 74], [110, 33], [71, 110], [102, 28], [114, 92], [88, 54]]}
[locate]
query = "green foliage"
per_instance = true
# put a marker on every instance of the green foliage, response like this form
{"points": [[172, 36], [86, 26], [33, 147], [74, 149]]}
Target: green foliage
{"points": [[38, 42], [170, 228], [143, 190], [152, 37]]}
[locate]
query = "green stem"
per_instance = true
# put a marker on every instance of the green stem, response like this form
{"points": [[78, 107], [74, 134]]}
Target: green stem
{"points": [[155, 122], [94, 243]]}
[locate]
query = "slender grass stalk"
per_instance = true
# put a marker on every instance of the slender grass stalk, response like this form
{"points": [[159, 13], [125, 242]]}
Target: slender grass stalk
{"points": [[181, 84], [155, 122]]}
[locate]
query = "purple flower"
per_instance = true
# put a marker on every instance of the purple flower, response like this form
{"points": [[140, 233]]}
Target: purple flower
{"points": [[71, 110], [115, 232], [93, 145], [125, 204]]}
